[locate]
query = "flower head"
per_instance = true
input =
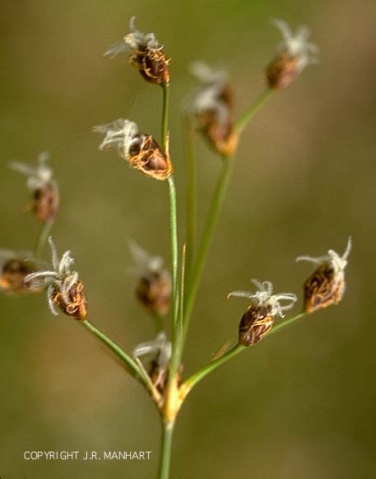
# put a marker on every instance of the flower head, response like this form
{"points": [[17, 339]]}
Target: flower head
{"points": [[258, 320], [326, 285], [212, 104], [45, 190], [64, 290], [148, 55], [154, 281], [294, 54], [160, 351], [14, 267], [141, 151]]}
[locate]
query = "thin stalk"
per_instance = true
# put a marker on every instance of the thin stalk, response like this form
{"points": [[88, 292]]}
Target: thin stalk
{"points": [[131, 365], [42, 238], [191, 213], [234, 351], [177, 348], [248, 114], [172, 201], [287, 322], [165, 109], [165, 453], [210, 224], [174, 245]]}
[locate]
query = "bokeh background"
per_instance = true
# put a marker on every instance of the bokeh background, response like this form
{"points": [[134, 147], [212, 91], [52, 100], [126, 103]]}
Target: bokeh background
{"points": [[302, 403]]}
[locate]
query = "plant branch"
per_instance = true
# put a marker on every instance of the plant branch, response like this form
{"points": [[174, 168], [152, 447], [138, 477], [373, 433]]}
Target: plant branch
{"points": [[210, 224], [249, 112], [234, 351], [131, 365]]}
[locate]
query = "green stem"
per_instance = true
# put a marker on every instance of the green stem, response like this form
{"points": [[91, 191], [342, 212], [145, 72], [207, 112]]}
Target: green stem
{"points": [[174, 245], [211, 221], [247, 115], [166, 446], [131, 365], [165, 108], [177, 346], [234, 351], [191, 193], [42, 238], [287, 322]]}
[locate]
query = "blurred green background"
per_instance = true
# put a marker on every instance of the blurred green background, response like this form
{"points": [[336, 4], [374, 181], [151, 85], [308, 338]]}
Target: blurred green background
{"points": [[302, 403]]}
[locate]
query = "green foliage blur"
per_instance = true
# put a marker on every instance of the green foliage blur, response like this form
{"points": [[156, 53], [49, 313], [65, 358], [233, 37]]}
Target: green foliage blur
{"points": [[301, 404]]}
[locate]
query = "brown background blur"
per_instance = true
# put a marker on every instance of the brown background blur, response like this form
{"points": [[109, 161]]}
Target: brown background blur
{"points": [[302, 403]]}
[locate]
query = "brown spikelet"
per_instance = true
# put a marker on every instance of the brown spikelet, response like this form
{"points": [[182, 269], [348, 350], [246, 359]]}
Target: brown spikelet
{"points": [[152, 64], [255, 323], [72, 302], [147, 157], [13, 274], [322, 289]]}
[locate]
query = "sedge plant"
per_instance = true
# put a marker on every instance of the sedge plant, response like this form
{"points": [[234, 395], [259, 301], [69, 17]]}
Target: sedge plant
{"points": [[169, 293]]}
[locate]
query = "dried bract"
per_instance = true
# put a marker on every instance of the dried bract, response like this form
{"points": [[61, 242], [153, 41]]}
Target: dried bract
{"points": [[258, 320], [14, 267], [212, 104], [148, 55], [141, 151], [64, 290], [294, 54], [326, 285], [154, 281], [45, 202]]}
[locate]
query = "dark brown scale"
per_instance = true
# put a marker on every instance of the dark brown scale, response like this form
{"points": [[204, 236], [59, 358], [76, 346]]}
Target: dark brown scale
{"points": [[74, 304], [254, 324], [13, 275], [322, 289]]}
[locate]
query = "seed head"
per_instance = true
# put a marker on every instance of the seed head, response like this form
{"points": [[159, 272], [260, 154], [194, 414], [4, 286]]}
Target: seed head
{"points": [[154, 281], [212, 105], [258, 320], [45, 202], [141, 151], [326, 285], [159, 350], [64, 290], [148, 55], [14, 267], [294, 54]]}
